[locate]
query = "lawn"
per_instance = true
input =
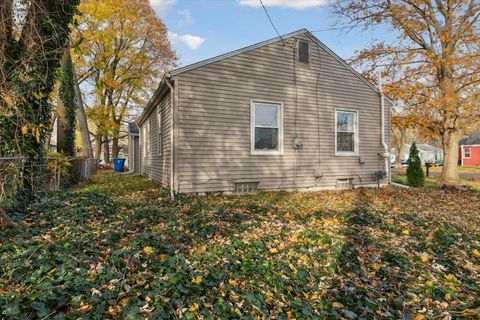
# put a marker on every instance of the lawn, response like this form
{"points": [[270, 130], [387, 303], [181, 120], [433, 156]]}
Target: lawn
{"points": [[461, 169], [119, 247], [435, 183]]}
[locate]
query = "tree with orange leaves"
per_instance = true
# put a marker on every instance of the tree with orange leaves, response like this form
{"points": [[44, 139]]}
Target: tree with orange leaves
{"points": [[433, 65], [123, 52]]}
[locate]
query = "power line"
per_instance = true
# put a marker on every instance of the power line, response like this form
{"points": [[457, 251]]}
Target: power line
{"points": [[271, 22], [331, 29]]}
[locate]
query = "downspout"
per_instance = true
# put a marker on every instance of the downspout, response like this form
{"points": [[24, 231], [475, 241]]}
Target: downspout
{"points": [[386, 152], [172, 109]]}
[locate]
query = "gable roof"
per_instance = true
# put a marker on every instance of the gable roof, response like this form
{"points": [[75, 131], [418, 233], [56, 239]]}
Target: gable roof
{"points": [[273, 40], [473, 139], [133, 128]]}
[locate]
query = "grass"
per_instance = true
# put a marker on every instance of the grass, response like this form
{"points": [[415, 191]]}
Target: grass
{"points": [[435, 183], [461, 169], [119, 247]]}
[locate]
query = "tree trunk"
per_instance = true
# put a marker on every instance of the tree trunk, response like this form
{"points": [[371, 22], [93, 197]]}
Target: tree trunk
{"points": [[450, 141], [399, 149], [106, 150], [62, 122], [115, 148], [82, 119], [66, 107], [451, 131], [98, 145]]}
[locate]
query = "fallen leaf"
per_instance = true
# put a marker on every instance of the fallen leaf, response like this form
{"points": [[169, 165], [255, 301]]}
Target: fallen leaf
{"points": [[197, 280], [193, 307], [148, 250]]}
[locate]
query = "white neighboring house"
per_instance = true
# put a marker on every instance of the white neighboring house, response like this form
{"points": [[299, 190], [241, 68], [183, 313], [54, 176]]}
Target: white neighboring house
{"points": [[426, 152]]}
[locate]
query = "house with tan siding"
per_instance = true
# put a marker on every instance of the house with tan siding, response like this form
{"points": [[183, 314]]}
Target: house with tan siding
{"points": [[283, 114]]}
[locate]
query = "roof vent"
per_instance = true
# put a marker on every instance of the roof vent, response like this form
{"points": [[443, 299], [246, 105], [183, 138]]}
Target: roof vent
{"points": [[303, 51]]}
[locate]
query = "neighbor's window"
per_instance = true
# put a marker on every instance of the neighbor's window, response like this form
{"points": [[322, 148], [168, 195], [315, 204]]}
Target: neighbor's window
{"points": [[467, 153], [266, 128], [159, 132], [346, 132]]}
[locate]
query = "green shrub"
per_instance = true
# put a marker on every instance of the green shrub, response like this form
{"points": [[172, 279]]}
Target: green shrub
{"points": [[415, 177]]}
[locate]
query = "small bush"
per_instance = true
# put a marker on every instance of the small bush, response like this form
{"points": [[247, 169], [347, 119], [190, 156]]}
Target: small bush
{"points": [[415, 177]]}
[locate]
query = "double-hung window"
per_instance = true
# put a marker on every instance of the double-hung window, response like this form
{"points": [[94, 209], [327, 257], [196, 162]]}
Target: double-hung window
{"points": [[346, 133], [467, 154], [159, 131], [266, 128]]}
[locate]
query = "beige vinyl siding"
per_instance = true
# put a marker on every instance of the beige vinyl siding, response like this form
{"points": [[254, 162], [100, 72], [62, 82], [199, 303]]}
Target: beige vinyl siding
{"points": [[154, 166], [214, 121]]}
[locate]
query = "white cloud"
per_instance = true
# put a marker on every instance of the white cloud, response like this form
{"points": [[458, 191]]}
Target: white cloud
{"points": [[191, 41], [295, 4], [162, 6], [186, 18]]}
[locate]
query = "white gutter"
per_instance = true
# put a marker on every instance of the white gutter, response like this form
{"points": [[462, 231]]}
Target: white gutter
{"points": [[172, 101], [386, 153]]}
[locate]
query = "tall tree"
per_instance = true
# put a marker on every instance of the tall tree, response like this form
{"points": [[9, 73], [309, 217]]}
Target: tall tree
{"points": [[66, 107], [437, 53], [124, 52], [31, 45]]}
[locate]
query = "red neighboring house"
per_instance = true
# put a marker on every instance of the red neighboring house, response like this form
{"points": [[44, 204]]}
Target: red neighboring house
{"points": [[469, 151]]}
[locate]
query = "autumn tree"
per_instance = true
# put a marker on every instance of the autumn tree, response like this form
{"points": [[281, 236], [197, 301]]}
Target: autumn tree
{"points": [[123, 53], [436, 52]]}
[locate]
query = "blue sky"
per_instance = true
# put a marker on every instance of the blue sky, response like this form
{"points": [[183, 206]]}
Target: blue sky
{"points": [[200, 29]]}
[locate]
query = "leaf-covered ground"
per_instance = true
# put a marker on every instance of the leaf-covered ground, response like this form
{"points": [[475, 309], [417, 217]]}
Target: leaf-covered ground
{"points": [[118, 247]]}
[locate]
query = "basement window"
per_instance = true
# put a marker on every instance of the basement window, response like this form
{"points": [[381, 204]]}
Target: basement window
{"points": [[345, 183], [303, 52], [246, 187]]}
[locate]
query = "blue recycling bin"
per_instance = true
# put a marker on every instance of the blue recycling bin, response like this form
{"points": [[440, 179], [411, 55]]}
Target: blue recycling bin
{"points": [[118, 164]]}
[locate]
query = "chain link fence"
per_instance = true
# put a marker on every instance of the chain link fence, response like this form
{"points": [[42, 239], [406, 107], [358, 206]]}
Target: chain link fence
{"points": [[18, 173]]}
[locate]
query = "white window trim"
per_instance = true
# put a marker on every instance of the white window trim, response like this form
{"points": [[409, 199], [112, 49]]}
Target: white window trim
{"points": [[278, 152], [356, 135], [144, 140], [147, 138], [159, 131], [465, 153]]}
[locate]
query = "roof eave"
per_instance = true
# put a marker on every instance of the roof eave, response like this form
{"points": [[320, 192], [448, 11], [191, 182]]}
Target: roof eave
{"points": [[151, 103]]}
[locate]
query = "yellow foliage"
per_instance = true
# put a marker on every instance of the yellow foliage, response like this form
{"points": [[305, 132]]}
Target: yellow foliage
{"points": [[124, 50]]}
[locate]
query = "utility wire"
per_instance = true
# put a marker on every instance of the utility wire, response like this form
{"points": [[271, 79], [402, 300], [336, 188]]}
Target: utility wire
{"points": [[271, 22], [331, 29]]}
